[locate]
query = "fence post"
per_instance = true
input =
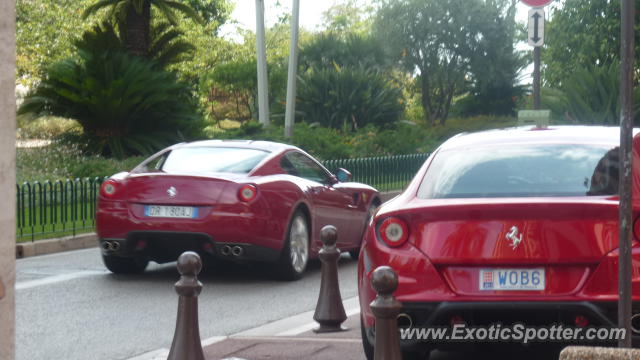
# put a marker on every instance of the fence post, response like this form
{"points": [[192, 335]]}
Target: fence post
{"points": [[186, 343]]}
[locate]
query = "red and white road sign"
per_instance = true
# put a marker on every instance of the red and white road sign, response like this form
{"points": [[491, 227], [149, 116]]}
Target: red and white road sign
{"points": [[537, 3]]}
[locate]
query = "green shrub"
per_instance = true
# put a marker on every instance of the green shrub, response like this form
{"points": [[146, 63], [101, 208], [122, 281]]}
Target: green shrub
{"points": [[97, 166], [326, 143], [348, 98], [124, 104]]}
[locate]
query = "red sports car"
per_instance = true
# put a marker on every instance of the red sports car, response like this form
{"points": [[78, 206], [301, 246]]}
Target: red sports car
{"points": [[235, 200], [506, 226]]}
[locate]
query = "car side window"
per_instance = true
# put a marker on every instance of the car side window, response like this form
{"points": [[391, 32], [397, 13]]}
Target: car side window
{"points": [[297, 164]]}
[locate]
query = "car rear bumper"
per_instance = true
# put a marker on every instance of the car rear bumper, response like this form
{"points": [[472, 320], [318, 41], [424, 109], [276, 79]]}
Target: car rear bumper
{"points": [[164, 246], [535, 314], [254, 235]]}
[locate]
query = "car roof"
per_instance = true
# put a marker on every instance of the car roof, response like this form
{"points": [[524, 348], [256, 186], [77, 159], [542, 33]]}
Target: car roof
{"points": [[269, 146], [605, 135]]}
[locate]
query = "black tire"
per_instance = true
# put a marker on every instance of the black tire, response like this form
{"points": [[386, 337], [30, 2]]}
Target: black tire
{"points": [[366, 345], [125, 265], [355, 253], [294, 257]]}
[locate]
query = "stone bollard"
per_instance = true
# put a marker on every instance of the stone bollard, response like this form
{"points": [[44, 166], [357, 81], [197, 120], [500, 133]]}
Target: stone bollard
{"points": [[330, 312], [386, 308], [186, 343]]}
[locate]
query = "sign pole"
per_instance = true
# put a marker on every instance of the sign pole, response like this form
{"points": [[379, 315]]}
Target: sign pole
{"points": [[627, 57], [536, 78]]}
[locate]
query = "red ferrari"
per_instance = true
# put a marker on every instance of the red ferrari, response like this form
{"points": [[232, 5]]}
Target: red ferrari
{"points": [[233, 200], [505, 226]]}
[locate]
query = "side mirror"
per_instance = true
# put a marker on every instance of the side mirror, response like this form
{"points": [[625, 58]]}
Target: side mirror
{"points": [[343, 175]]}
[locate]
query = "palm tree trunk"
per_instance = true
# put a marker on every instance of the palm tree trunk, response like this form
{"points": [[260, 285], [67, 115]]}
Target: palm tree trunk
{"points": [[138, 28]]}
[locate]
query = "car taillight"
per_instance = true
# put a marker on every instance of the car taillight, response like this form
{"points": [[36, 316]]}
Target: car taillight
{"points": [[247, 193], [394, 232], [109, 188]]}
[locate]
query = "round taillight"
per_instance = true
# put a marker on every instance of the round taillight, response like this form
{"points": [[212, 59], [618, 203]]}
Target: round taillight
{"points": [[247, 193], [108, 188], [394, 232]]}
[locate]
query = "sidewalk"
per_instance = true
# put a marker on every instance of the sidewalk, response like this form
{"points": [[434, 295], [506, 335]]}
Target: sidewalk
{"points": [[290, 338], [308, 345]]}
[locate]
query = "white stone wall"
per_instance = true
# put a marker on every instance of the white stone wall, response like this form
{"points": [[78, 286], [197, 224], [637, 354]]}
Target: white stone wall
{"points": [[7, 177]]}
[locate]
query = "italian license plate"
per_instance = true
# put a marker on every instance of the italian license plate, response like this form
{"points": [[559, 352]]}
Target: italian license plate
{"points": [[186, 212], [512, 279]]}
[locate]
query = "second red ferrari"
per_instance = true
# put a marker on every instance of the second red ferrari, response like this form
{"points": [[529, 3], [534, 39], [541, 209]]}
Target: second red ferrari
{"points": [[233, 200]]}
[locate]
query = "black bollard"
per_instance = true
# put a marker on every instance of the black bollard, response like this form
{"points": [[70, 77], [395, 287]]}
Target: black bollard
{"points": [[330, 312], [386, 308], [186, 343]]}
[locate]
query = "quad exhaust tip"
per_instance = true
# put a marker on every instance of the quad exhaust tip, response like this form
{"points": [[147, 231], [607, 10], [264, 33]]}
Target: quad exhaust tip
{"points": [[404, 321], [635, 323], [237, 251], [225, 250], [111, 245]]}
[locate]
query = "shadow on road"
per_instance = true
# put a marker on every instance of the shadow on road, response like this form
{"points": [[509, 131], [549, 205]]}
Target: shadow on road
{"points": [[221, 272]]}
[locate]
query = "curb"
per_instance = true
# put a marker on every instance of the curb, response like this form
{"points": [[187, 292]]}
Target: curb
{"points": [[89, 240], [50, 246], [598, 353]]}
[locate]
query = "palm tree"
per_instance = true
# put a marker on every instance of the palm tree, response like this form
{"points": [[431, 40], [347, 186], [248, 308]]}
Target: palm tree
{"points": [[134, 19]]}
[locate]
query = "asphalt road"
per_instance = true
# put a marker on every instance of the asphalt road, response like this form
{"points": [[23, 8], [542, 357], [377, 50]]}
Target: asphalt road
{"points": [[69, 307]]}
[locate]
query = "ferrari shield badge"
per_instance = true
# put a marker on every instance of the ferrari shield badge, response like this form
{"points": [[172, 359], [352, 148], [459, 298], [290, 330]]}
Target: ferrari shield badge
{"points": [[514, 236]]}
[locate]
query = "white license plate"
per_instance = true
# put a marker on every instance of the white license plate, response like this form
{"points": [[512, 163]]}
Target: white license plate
{"points": [[186, 212], [512, 279]]}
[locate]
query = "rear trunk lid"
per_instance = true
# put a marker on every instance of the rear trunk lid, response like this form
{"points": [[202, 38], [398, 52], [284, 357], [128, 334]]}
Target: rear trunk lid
{"points": [[177, 189], [566, 237]]}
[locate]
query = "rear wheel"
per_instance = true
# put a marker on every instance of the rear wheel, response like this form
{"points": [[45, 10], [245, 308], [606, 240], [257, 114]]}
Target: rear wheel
{"points": [[125, 265], [355, 253], [295, 253]]}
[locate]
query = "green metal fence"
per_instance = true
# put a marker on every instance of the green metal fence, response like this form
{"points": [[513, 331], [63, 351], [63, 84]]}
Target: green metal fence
{"points": [[48, 209], [56, 208], [384, 173]]}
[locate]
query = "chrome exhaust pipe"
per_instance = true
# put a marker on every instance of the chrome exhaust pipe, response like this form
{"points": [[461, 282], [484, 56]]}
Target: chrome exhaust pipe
{"points": [[115, 245], [404, 321], [225, 250], [237, 251], [106, 245], [635, 323]]}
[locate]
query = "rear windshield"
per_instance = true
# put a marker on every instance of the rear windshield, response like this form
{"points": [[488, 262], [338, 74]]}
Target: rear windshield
{"points": [[522, 171], [206, 159]]}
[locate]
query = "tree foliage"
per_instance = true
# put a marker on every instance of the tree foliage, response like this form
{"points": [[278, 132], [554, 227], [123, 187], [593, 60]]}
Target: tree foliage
{"points": [[583, 34], [445, 43], [44, 33], [124, 104], [328, 49], [212, 11], [134, 18], [349, 17]]}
